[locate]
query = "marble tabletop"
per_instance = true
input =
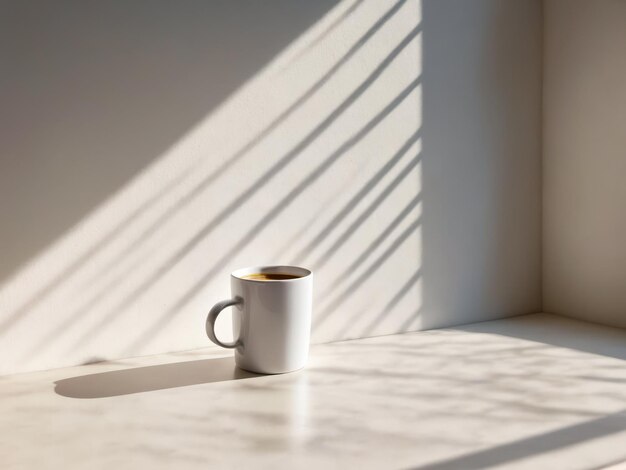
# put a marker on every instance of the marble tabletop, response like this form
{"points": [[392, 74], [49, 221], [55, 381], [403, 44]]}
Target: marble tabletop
{"points": [[536, 391]]}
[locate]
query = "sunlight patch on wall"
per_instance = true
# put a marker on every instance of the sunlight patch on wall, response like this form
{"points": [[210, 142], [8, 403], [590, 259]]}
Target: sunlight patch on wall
{"points": [[315, 161]]}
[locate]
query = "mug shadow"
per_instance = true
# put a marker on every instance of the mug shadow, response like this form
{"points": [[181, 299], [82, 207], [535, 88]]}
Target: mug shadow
{"points": [[150, 378]]}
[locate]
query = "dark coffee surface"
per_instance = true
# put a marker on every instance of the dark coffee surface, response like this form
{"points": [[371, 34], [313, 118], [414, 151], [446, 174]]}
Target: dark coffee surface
{"points": [[269, 277]]}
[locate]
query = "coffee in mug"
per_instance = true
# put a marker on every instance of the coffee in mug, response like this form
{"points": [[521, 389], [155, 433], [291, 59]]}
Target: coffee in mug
{"points": [[269, 276]]}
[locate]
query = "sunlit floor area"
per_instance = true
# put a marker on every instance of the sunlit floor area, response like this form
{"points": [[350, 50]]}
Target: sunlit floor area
{"points": [[534, 391]]}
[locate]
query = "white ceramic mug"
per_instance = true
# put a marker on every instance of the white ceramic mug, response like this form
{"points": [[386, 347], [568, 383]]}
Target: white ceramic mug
{"points": [[273, 318]]}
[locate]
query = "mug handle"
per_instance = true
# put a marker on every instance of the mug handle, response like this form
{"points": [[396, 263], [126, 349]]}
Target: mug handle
{"points": [[210, 322]]}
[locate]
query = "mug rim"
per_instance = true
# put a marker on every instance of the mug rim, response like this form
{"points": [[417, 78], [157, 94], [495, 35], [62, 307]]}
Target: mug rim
{"points": [[301, 272]]}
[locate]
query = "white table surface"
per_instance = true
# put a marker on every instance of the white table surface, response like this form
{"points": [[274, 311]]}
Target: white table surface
{"points": [[537, 391]]}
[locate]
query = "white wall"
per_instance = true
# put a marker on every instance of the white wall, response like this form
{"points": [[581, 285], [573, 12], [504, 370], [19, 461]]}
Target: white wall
{"points": [[482, 164], [585, 160], [393, 147]]}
